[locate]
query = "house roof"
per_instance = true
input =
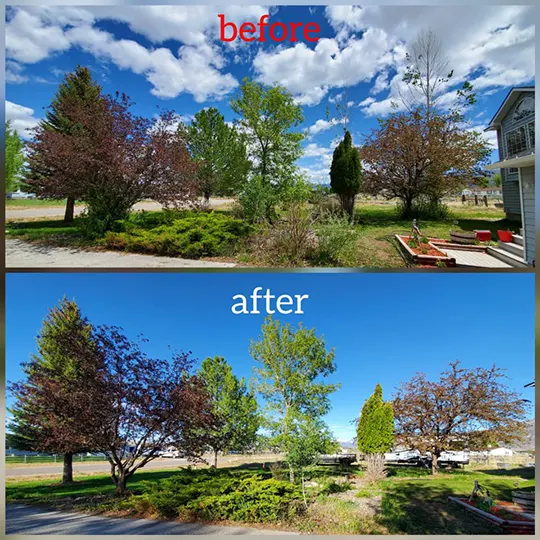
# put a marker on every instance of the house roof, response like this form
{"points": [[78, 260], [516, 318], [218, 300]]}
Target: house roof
{"points": [[510, 99]]}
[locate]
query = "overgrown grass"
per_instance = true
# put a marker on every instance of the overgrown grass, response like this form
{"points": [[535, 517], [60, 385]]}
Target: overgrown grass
{"points": [[369, 243], [409, 501]]}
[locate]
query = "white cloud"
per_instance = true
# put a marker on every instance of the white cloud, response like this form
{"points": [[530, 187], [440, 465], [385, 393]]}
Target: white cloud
{"points": [[194, 70], [310, 73], [493, 48], [35, 33], [29, 39], [14, 73], [22, 118], [323, 125]]}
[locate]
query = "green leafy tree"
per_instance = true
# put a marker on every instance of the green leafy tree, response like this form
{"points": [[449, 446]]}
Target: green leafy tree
{"points": [[14, 157], [77, 85], [219, 150], [308, 439], [375, 432], [267, 118], [234, 408], [346, 173], [496, 179], [51, 411], [293, 366]]}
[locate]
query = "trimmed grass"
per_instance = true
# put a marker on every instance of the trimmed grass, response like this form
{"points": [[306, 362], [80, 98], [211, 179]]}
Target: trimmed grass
{"points": [[49, 231], [409, 501], [376, 225]]}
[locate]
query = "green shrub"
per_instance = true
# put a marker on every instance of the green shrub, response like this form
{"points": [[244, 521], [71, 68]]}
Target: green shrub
{"points": [[258, 200], [424, 208], [241, 496], [336, 242], [194, 235], [336, 487]]}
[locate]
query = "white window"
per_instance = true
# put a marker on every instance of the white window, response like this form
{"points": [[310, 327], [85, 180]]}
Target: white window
{"points": [[524, 108]]}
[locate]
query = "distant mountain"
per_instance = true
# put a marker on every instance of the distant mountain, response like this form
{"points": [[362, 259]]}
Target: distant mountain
{"points": [[347, 444]]}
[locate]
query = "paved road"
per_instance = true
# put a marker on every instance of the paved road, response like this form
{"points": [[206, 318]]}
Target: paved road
{"points": [[21, 254], [25, 520], [30, 212], [88, 467]]}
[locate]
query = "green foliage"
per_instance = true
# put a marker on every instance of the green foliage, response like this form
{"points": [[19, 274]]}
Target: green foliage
{"points": [[77, 84], [293, 366], [220, 152], [336, 242], [375, 432], [14, 157], [346, 173], [194, 235], [267, 116], [293, 363], [307, 439], [241, 496], [496, 179], [423, 208], [234, 408], [336, 487], [258, 199]]}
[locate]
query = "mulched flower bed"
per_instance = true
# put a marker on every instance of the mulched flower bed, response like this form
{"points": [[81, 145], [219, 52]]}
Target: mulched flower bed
{"points": [[426, 253]]}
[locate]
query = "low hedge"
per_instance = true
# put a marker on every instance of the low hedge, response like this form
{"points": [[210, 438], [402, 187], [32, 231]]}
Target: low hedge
{"points": [[244, 497], [189, 234]]}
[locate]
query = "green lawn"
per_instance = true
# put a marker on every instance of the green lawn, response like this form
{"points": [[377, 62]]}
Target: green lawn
{"points": [[409, 501], [375, 229], [34, 202]]}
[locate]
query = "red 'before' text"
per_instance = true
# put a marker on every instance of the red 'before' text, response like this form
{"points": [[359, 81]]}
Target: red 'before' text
{"points": [[278, 31]]}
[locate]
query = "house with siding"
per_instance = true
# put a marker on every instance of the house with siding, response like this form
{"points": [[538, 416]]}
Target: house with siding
{"points": [[514, 124]]}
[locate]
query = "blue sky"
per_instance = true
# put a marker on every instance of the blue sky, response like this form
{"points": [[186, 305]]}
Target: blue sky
{"points": [[384, 327], [171, 57]]}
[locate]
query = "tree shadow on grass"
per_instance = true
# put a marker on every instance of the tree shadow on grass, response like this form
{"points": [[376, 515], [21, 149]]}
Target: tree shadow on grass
{"points": [[410, 508]]}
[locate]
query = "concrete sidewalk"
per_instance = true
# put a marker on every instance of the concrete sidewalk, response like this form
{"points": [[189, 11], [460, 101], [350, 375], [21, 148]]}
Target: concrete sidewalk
{"points": [[21, 254], [22, 519]]}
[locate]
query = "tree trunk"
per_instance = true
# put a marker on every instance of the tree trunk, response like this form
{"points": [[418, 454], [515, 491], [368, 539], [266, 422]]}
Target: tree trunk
{"points": [[434, 466], [121, 482], [304, 489], [70, 210], [291, 474], [67, 474], [215, 459]]}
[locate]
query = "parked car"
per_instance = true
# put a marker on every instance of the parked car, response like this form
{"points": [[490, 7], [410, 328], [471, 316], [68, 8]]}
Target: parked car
{"points": [[175, 454], [21, 195]]}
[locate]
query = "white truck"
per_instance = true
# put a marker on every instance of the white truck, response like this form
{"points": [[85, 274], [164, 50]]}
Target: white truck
{"points": [[414, 457]]}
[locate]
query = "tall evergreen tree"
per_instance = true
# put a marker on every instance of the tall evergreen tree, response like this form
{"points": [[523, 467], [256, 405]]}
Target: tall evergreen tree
{"points": [[77, 85], [346, 173], [375, 433], [234, 408], [51, 406]]}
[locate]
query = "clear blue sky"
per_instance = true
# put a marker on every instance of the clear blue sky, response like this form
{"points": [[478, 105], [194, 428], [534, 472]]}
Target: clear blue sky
{"points": [[171, 57], [384, 327]]}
